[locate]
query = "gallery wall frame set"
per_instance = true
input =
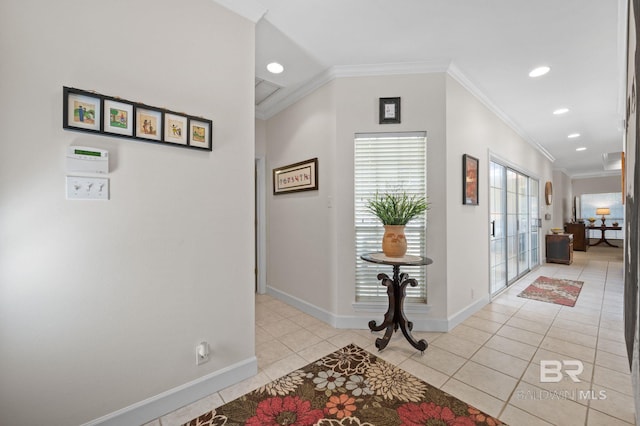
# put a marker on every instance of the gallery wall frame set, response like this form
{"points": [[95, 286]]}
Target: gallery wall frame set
{"points": [[302, 176], [470, 167], [111, 116]]}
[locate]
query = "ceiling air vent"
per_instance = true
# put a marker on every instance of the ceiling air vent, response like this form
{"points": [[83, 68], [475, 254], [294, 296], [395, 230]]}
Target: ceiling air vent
{"points": [[612, 161], [264, 89]]}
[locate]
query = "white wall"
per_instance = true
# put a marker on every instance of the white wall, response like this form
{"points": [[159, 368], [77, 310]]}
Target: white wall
{"points": [[300, 226], [562, 199], [596, 185], [261, 138], [422, 98], [315, 261], [473, 129], [102, 303]]}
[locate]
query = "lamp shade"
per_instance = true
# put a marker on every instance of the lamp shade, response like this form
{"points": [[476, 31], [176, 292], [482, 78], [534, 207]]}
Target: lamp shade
{"points": [[603, 211]]}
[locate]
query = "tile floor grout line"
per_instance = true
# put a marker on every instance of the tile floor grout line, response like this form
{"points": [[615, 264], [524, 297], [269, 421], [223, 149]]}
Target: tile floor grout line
{"points": [[595, 352], [530, 362]]}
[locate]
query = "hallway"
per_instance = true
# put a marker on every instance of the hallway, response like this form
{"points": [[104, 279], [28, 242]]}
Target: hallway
{"points": [[491, 360]]}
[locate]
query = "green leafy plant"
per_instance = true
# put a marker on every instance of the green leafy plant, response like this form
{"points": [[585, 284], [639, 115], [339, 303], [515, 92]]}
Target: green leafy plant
{"points": [[397, 208]]}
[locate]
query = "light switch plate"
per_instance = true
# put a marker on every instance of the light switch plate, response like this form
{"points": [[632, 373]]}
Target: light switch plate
{"points": [[87, 188]]}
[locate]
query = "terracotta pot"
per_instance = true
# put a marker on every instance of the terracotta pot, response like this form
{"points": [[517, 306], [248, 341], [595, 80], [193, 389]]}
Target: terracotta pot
{"points": [[394, 243]]}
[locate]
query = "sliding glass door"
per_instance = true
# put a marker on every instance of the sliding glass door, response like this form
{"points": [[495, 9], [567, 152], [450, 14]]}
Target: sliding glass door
{"points": [[514, 241]]}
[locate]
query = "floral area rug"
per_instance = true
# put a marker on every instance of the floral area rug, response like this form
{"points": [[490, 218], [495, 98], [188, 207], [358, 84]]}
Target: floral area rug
{"points": [[553, 290], [349, 387]]}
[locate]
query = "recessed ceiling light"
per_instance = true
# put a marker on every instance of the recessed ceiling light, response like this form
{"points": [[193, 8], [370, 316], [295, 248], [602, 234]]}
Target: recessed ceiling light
{"points": [[561, 111], [582, 148], [573, 135], [275, 68], [537, 72]]}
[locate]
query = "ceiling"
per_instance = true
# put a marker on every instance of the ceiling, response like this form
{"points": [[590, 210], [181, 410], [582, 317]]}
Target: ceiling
{"points": [[487, 45]]}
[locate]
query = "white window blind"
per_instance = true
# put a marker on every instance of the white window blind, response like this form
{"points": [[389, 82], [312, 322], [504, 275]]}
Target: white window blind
{"points": [[388, 162]]}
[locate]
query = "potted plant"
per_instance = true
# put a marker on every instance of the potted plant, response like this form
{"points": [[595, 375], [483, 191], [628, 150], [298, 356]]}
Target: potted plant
{"points": [[395, 210]]}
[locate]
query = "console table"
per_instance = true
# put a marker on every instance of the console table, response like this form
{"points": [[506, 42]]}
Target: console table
{"points": [[603, 239], [396, 290]]}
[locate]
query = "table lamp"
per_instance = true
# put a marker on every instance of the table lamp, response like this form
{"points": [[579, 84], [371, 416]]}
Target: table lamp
{"points": [[603, 211]]}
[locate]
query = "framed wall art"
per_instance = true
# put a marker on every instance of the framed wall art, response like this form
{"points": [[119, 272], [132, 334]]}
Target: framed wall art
{"points": [[175, 128], [148, 123], [302, 176], [200, 133], [389, 110], [82, 110], [469, 180], [112, 116], [118, 117]]}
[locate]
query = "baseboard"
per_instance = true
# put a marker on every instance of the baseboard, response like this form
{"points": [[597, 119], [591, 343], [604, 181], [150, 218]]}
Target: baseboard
{"points": [[361, 323], [306, 307], [465, 313], [166, 402]]}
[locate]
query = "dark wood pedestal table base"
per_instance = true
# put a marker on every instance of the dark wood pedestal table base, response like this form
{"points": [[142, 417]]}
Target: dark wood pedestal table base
{"points": [[396, 290], [603, 239]]}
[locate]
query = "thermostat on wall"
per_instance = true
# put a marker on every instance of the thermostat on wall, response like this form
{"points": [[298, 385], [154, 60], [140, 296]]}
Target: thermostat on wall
{"points": [[87, 160]]}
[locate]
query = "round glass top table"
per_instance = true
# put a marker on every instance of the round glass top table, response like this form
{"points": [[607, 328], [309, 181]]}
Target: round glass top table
{"points": [[396, 291]]}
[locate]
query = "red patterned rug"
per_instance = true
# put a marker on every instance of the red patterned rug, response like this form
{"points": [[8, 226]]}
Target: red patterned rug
{"points": [[553, 290], [349, 387]]}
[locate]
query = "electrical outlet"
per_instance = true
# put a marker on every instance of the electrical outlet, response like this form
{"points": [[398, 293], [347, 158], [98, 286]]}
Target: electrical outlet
{"points": [[202, 353]]}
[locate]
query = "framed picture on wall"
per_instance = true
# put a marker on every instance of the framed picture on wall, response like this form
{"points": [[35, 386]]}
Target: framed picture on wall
{"points": [[118, 117], [113, 116], [148, 123], [469, 180], [175, 128], [302, 176], [81, 110], [200, 133], [389, 110]]}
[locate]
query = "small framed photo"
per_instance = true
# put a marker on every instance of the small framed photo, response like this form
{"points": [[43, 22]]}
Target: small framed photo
{"points": [[118, 117], [81, 110], [148, 123], [200, 133], [302, 176], [175, 128], [469, 180], [389, 110]]}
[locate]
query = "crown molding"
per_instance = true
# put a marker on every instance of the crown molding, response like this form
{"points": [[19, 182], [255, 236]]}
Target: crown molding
{"points": [[283, 99], [400, 68], [250, 9], [276, 104], [604, 173], [461, 78]]}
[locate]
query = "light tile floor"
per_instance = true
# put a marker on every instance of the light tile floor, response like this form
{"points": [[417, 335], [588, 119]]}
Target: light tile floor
{"points": [[491, 360]]}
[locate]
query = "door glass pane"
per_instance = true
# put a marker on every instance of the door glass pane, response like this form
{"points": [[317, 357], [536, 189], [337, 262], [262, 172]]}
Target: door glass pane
{"points": [[497, 227], [535, 231], [515, 235], [512, 225], [523, 224]]}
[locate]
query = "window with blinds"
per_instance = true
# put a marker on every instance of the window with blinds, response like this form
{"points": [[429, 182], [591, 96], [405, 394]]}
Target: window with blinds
{"points": [[387, 162]]}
